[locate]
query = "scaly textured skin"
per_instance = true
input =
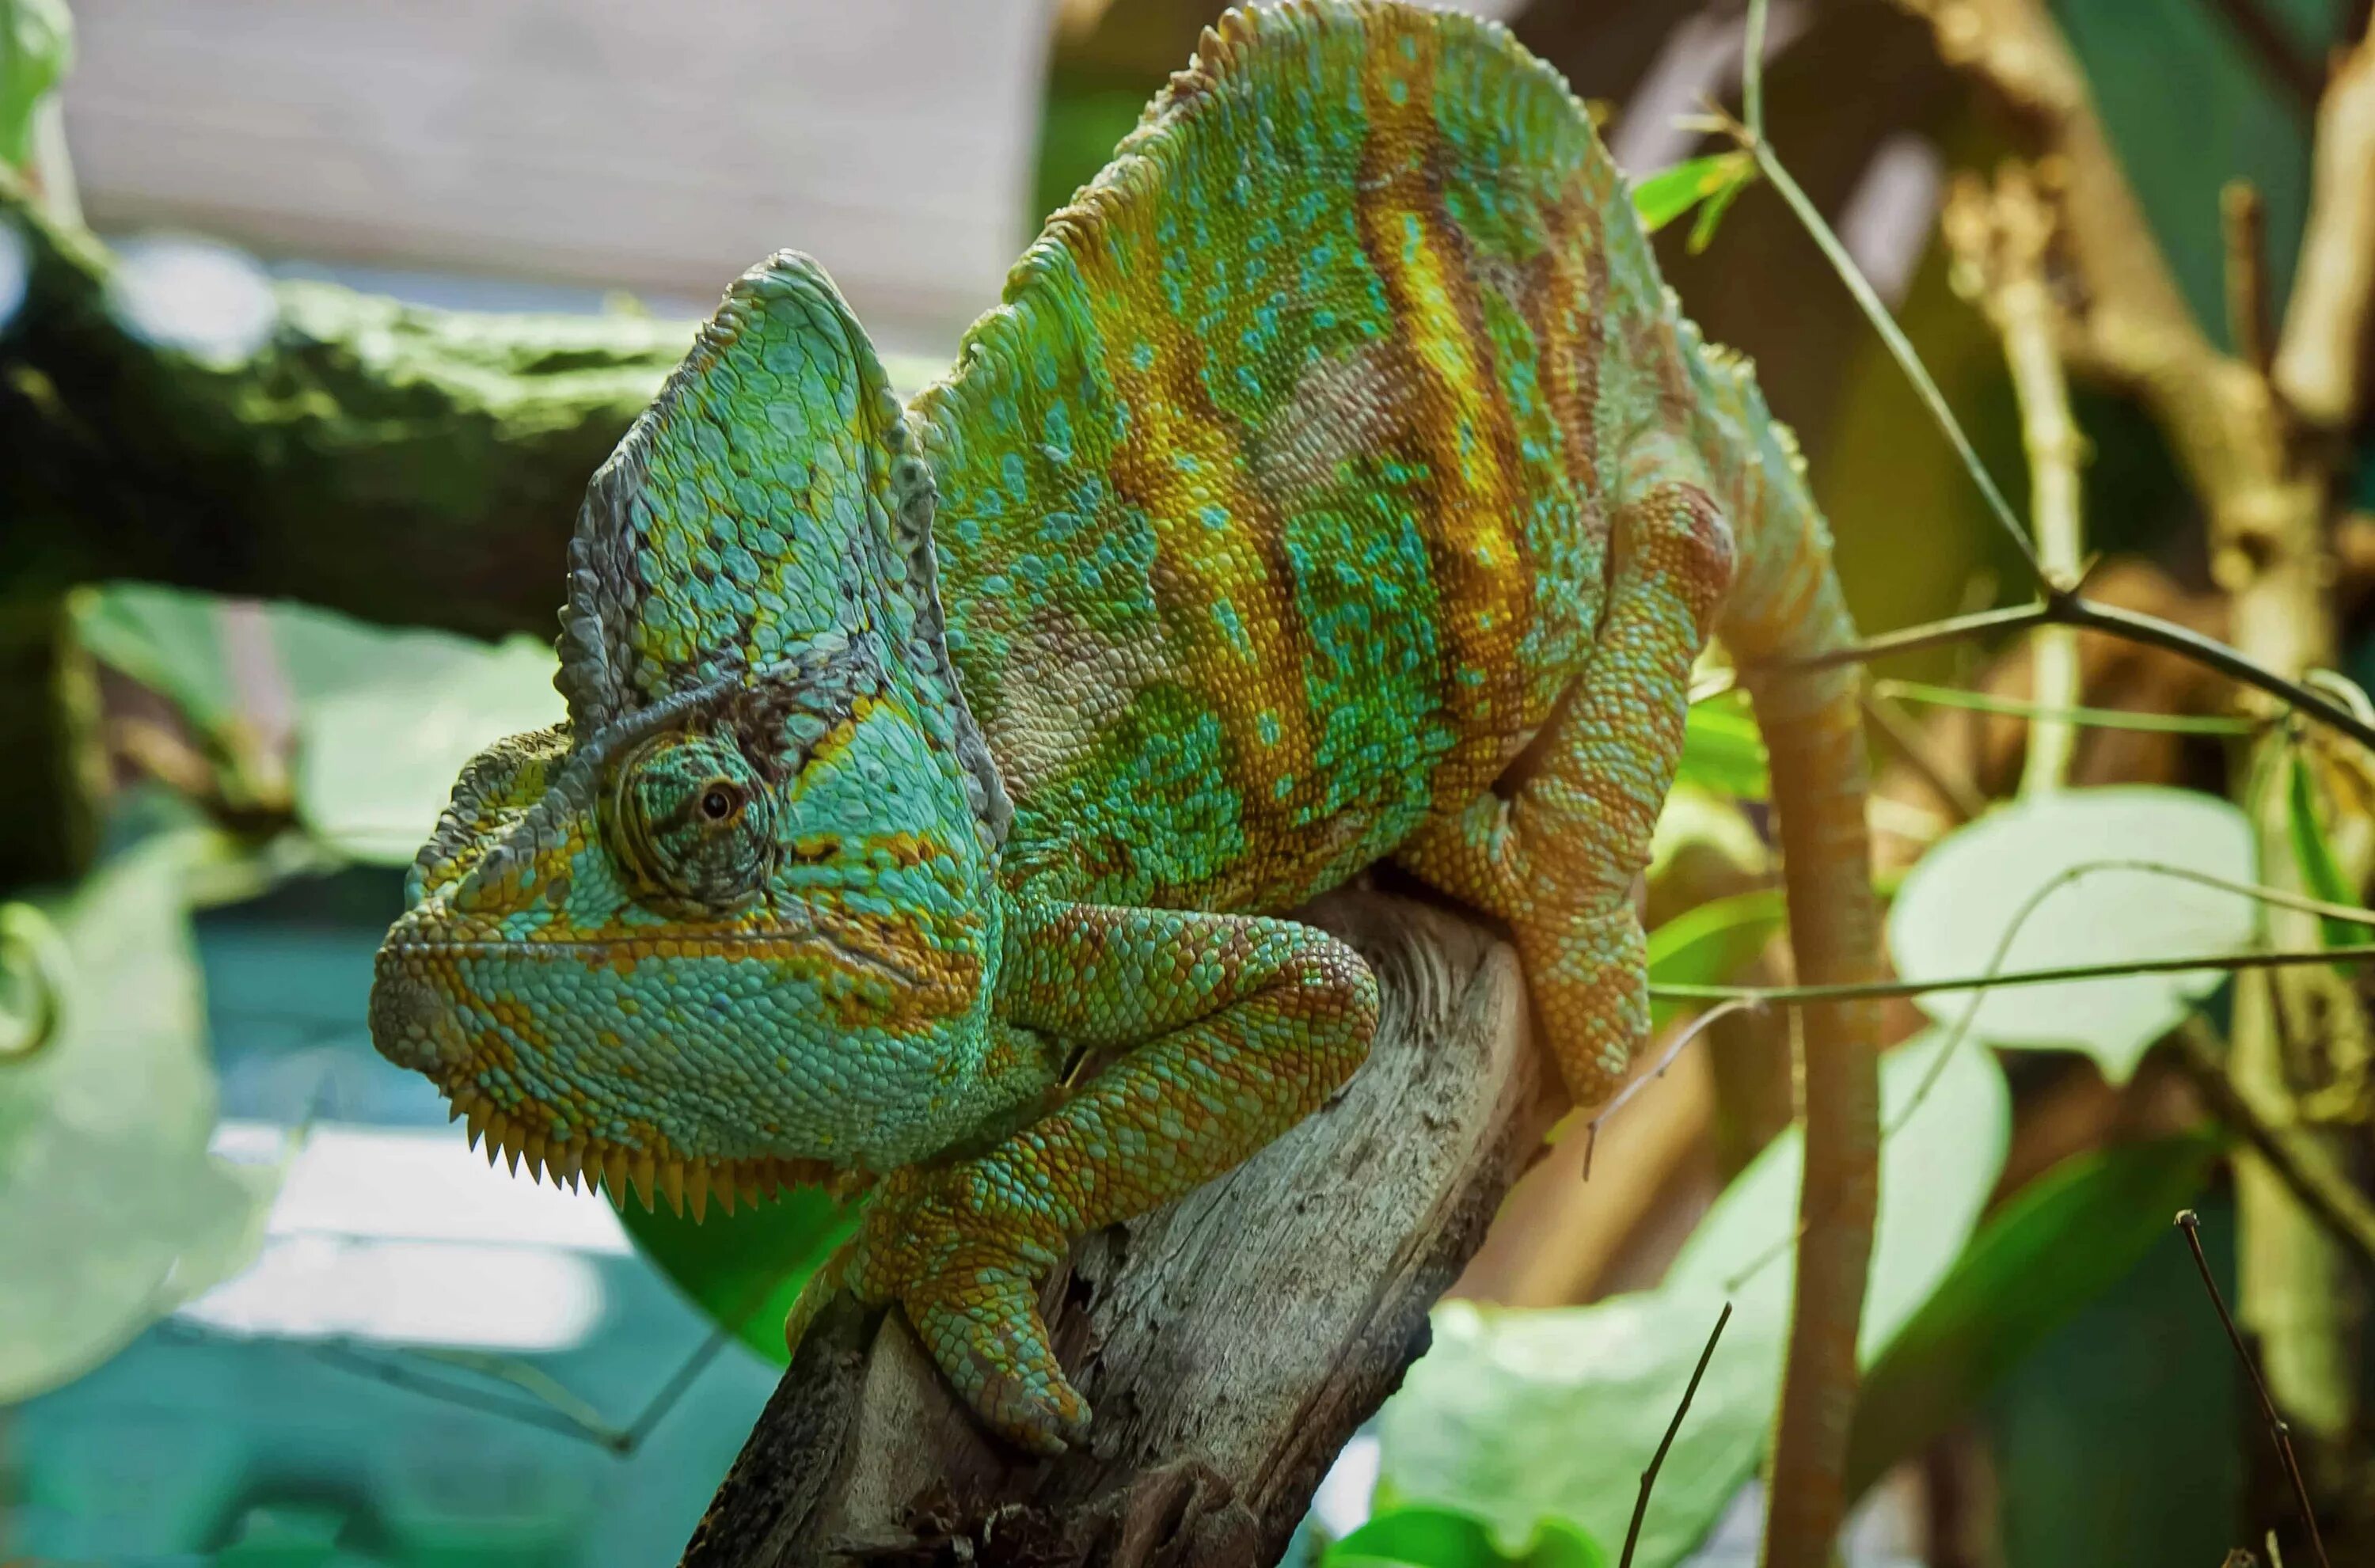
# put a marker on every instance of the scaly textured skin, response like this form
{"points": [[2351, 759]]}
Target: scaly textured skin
{"points": [[1337, 482]]}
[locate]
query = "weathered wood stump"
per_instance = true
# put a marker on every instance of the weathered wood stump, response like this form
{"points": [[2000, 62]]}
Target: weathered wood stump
{"points": [[1229, 1343]]}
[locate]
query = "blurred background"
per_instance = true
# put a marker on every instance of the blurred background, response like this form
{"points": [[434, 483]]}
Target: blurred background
{"points": [[313, 321]]}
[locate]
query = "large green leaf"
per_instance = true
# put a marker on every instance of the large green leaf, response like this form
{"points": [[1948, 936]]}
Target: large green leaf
{"points": [[379, 746], [1954, 908], [745, 1270], [2067, 1238], [1516, 1416], [112, 1210], [1940, 1159], [1444, 1538]]}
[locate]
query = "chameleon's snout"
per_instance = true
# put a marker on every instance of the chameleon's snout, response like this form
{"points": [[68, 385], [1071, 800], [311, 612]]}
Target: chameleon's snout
{"points": [[411, 1024]]}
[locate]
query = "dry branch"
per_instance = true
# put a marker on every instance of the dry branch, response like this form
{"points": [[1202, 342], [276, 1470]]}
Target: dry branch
{"points": [[1230, 1343]]}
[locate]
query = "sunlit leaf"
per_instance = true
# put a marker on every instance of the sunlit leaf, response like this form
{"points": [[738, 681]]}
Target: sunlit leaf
{"points": [[1517, 1415], [1957, 905], [2063, 1241], [1664, 196], [1721, 750], [1713, 942], [112, 1210], [745, 1270], [1442, 1538]]}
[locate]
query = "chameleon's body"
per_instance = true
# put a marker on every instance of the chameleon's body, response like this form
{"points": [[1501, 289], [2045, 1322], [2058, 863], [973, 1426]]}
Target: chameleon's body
{"points": [[1338, 484]]}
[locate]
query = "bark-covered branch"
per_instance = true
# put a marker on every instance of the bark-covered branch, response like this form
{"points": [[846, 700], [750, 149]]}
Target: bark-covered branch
{"points": [[1230, 1343], [396, 463]]}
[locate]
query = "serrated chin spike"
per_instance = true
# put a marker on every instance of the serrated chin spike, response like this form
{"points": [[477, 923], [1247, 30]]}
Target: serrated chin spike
{"points": [[696, 1190], [672, 1184], [645, 1178]]}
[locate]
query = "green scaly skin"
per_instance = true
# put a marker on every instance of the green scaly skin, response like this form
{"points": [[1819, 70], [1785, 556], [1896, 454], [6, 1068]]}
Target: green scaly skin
{"points": [[1338, 483]]}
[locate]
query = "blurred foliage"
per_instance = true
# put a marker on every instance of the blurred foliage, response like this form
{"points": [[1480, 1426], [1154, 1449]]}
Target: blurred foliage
{"points": [[114, 1212], [1487, 1422], [1444, 1538], [2009, 892]]}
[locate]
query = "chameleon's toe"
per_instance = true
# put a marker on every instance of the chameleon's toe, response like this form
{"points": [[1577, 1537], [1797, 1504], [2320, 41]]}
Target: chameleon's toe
{"points": [[989, 1341]]}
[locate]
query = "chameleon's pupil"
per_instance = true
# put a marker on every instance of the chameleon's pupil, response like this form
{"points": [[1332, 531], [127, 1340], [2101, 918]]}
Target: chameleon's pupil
{"points": [[717, 804]]}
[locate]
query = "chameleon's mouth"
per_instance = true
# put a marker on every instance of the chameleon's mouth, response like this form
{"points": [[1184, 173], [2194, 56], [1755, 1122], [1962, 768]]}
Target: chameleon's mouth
{"points": [[687, 1184], [414, 1025]]}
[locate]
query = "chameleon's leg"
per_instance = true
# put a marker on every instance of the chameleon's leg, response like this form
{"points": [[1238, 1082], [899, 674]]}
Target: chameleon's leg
{"points": [[1556, 856], [1234, 1028]]}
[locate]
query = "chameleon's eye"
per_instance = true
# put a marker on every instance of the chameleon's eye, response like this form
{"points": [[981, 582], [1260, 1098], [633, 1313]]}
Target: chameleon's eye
{"points": [[689, 820]]}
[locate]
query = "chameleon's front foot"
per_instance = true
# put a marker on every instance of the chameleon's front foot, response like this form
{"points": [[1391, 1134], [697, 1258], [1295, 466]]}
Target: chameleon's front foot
{"points": [[969, 1286]]}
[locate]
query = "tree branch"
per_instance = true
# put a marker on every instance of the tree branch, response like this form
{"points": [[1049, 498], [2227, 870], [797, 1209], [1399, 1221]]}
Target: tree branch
{"points": [[1229, 1342], [399, 464]]}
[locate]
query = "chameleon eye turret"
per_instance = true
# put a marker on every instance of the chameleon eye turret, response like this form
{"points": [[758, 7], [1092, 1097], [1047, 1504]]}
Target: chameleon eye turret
{"points": [[693, 821]]}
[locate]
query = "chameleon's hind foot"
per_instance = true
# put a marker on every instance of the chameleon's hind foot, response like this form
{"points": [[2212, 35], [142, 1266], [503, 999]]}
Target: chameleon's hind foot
{"points": [[971, 1300]]}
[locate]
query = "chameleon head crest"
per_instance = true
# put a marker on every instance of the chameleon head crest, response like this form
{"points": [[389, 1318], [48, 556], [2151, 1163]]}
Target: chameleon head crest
{"points": [[768, 509]]}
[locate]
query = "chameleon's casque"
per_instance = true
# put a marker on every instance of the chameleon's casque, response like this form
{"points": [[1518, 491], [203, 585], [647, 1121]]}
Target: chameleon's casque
{"points": [[1337, 483]]}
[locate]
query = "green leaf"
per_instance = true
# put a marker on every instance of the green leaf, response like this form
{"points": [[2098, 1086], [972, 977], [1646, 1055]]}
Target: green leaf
{"points": [[1515, 1416], [1664, 196], [1442, 1538], [382, 719], [1721, 750], [2063, 1241], [1955, 906], [36, 47], [744, 1270], [1712, 212], [168, 640], [1709, 944], [386, 720], [1938, 1163], [2320, 872], [112, 1210]]}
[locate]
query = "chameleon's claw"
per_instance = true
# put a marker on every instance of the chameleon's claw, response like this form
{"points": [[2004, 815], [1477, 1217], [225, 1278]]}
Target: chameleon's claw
{"points": [[992, 1346]]}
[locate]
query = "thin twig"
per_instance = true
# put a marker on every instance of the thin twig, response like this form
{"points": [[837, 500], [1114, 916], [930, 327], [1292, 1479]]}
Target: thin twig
{"points": [[1879, 990], [2304, 1167], [2088, 718], [2070, 609], [1649, 1476], [1666, 1058], [2191, 1223], [1768, 163]]}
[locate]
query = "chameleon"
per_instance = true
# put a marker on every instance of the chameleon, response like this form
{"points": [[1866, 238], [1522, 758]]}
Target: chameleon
{"points": [[1336, 484]]}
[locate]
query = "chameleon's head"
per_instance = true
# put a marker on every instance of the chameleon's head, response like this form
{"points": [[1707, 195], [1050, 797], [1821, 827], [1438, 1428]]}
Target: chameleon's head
{"points": [[736, 918]]}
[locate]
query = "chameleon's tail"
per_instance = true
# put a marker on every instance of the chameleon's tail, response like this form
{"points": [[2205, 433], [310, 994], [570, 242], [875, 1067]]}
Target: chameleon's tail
{"points": [[1785, 604]]}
